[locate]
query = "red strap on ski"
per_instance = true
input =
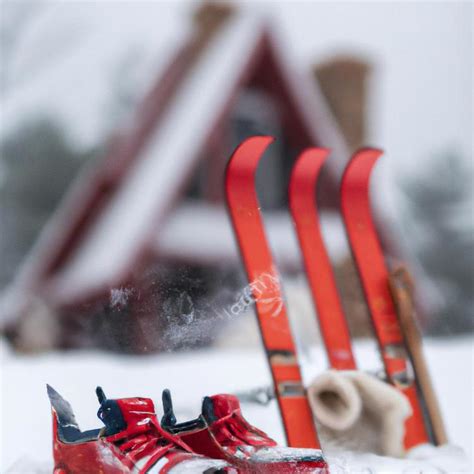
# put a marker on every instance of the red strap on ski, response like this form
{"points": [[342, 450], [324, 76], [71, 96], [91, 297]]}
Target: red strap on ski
{"points": [[265, 287], [374, 275], [320, 274]]}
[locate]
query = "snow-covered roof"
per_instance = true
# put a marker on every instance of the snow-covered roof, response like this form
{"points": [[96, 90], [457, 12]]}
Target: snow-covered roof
{"points": [[203, 233]]}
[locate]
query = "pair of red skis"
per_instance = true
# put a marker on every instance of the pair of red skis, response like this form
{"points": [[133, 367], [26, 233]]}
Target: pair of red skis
{"points": [[273, 321]]}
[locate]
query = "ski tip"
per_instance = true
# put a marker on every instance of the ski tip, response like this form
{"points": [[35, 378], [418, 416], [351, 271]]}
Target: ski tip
{"points": [[366, 155], [258, 139], [314, 151], [304, 175], [247, 155], [255, 144], [309, 163], [359, 167]]}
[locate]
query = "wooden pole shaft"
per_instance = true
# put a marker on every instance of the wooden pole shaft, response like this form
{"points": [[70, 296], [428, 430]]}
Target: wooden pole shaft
{"points": [[401, 287]]}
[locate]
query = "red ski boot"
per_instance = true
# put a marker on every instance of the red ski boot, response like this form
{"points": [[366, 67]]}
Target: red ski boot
{"points": [[221, 432], [132, 441]]}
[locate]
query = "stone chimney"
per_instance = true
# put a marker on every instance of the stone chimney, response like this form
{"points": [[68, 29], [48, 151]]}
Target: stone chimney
{"points": [[209, 17], [343, 81]]}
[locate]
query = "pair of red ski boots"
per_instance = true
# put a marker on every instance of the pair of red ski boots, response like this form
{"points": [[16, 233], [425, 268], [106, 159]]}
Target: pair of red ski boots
{"points": [[218, 441]]}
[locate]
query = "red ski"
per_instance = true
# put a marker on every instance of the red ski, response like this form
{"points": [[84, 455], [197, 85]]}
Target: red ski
{"points": [[265, 287], [320, 274], [374, 275]]}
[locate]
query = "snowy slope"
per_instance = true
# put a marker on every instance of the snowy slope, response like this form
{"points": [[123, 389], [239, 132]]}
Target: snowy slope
{"points": [[25, 407]]}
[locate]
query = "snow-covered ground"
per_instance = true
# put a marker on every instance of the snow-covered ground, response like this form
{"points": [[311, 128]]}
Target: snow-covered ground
{"points": [[26, 422]]}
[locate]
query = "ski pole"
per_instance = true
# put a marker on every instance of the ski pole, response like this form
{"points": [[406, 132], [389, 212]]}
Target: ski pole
{"points": [[401, 286]]}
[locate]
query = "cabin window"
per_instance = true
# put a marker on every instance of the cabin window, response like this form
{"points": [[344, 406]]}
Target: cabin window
{"points": [[256, 113]]}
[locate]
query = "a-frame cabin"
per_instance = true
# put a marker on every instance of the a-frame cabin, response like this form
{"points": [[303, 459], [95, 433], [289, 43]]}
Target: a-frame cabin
{"points": [[157, 195]]}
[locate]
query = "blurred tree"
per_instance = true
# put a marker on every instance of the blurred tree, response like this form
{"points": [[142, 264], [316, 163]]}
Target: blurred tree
{"points": [[440, 223], [37, 166]]}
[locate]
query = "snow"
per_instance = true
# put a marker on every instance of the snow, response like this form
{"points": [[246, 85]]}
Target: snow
{"points": [[119, 296], [422, 460], [288, 454], [196, 465], [26, 414]]}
